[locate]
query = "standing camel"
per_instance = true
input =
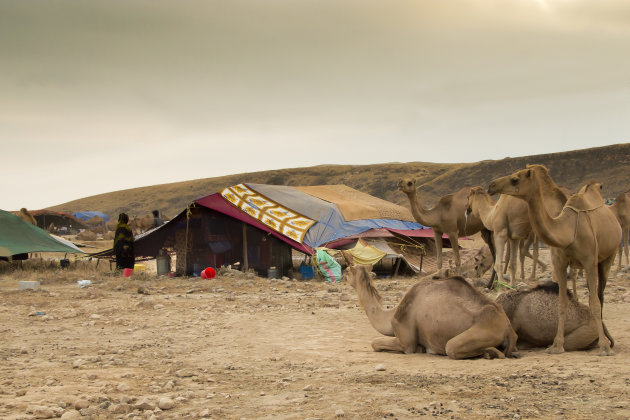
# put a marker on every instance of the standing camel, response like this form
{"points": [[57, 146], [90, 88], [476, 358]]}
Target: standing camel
{"points": [[586, 232], [446, 316], [508, 219], [448, 217], [621, 209]]}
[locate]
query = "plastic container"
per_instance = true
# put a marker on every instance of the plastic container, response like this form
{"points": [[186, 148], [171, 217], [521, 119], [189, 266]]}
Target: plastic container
{"points": [[197, 270], [272, 273], [306, 271], [83, 283], [163, 264], [127, 272]]}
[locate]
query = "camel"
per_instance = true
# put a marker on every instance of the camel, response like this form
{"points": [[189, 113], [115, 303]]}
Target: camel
{"points": [[26, 216], [533, 314], [621, 209], [476, 266], [586, 232], [448, 216], [142, 224], [508, 219], [446, 316]]}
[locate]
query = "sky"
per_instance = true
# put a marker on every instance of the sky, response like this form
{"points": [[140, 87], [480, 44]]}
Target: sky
{"points": [[100, 96]]}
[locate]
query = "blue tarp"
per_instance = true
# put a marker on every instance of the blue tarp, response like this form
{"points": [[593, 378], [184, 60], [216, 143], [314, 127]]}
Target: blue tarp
{"points": [[87, 215], [331, 224]]}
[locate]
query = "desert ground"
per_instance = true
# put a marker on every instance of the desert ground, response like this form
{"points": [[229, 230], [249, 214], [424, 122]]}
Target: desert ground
{"points": [[244, 347]]}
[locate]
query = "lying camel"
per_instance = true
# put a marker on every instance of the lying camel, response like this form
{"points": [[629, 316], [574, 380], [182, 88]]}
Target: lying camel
{"points": [[508, 219], [534, 316], [585, 232], [447, 317]]}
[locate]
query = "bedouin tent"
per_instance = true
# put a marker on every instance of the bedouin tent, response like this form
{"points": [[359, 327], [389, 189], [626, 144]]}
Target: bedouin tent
{"points": [[213, 229], [19, 237]]}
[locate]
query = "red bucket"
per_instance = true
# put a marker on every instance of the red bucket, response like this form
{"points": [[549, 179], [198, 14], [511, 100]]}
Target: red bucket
{"points": [[127, 272]]}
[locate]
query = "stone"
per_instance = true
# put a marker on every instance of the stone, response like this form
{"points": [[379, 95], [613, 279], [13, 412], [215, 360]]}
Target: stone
{"points": [[123, 387], [145, 404], [80, 404], [166, 403], [339, 413], [380, 367], [41, 412], [71, 415]]}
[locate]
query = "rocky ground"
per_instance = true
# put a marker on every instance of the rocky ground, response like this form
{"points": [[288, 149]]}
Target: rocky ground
{"points": [[243, 347]]}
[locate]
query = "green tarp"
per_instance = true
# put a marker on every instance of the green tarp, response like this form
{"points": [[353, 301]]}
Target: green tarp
{"points": [[19, 237]]}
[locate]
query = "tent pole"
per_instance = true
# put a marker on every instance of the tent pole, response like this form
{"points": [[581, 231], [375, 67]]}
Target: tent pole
{"points": [[397, 266], [245, 260]]}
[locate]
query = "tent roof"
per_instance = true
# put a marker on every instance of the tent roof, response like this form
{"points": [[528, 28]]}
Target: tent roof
{"points": [[362, 211], [19, 237]]}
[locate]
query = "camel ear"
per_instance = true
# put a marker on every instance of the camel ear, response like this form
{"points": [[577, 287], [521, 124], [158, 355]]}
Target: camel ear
{"points": [[529, 173], [348, 257]]}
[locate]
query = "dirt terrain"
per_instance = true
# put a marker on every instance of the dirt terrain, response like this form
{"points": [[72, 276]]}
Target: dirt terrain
{"points": [[244, 347]]}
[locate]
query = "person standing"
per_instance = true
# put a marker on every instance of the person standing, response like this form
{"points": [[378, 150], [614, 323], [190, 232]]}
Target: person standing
{"points": [[123, 243], [157, 220]]}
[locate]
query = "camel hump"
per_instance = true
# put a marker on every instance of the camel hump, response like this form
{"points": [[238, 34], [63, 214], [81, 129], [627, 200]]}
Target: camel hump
{"points": [[588, 198]]}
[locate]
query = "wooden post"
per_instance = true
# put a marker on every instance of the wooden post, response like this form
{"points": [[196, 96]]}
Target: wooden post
{"points": [[245, 260], [399, 259]]}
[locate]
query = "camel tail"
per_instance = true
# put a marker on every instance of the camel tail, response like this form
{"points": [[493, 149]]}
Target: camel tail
{"points": [[607, 334]]}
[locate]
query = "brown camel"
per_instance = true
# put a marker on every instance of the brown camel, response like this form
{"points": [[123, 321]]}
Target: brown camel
{"points": [[447, 217], [26, 216], [585, 232], [533, 314], [447, 317], [508, 219], [621, 209]]}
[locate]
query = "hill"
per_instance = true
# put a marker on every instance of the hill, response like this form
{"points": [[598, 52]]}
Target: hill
{"points": [[609, 165]]}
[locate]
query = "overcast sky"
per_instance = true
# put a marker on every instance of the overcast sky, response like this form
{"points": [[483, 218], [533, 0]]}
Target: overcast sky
{"points": [[99, 96]]}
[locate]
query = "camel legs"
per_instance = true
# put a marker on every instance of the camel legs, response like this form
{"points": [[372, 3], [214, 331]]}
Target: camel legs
{"points": [[437, 235], [499, 244], [480, 339], [404, 340], [623, 247], [513, 257], [560, 264], [595, 303], [582, 337], [387, 344], [455, 245]]}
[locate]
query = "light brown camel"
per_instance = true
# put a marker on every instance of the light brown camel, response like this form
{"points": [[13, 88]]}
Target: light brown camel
{"points": [[533, 314], [508, 219], [586, 232], [446, 316], [448, 217], [621, 209], [26, 216]]}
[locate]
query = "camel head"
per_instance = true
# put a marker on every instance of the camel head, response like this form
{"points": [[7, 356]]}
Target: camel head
{"points": [[521, 183], [407, 185], [473, 195]]}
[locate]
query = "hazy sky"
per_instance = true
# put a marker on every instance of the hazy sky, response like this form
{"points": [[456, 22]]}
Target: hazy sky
{"points": [[98, 96]]}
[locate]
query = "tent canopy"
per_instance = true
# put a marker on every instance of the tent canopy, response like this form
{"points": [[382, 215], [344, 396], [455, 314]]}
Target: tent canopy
{"points": [[338, 211], [19, 237]]}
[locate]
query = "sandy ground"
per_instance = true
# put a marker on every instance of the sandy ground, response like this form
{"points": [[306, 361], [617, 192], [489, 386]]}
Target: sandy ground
{"points": [[244, 347]]}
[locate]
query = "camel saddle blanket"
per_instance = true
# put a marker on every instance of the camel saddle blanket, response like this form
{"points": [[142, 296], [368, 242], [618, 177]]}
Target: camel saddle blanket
{"points": [[279, 218]]}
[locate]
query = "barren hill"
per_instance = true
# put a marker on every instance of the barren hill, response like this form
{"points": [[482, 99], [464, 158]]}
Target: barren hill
{"points": [[609, 165]]}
